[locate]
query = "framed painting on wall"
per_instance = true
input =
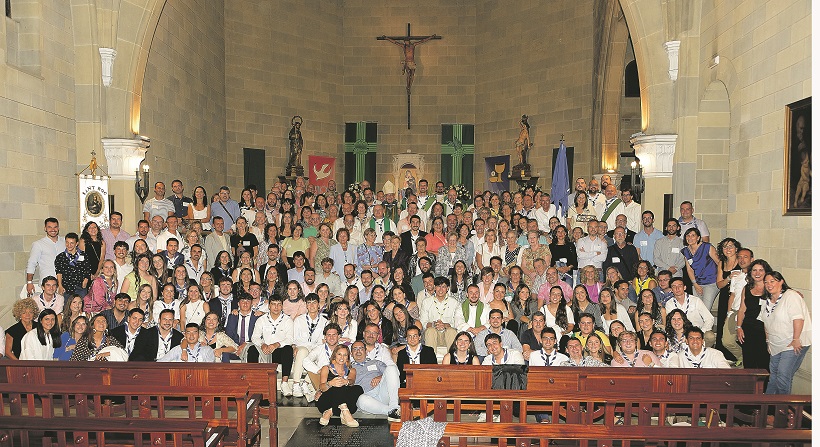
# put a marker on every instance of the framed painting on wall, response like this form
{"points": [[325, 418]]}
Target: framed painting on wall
{"points": [[797, 159]]}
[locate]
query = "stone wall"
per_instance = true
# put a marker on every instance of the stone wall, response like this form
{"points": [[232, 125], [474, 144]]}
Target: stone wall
{"points": [[38, 156], [183, 101], [769, 46], [535, 58], [282, 59]]}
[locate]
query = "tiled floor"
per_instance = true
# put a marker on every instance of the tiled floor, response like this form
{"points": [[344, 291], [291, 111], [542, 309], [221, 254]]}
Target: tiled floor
{"points": [[292, 413]]}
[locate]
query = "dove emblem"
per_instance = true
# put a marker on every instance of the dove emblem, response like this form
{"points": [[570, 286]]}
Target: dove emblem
{"points": [[322, 173]]}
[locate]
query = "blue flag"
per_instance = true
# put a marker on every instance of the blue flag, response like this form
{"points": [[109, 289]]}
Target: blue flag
{"points": [[560, 181]]}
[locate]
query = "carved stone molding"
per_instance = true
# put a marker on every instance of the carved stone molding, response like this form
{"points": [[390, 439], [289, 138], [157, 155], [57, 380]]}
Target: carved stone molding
{"points": [[107, 56], [673, 51], [123, 156], [657, 154]]}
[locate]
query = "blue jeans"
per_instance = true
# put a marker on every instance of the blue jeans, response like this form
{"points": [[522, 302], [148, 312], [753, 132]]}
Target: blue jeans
{"points": [[782, 368], [710, 293]]}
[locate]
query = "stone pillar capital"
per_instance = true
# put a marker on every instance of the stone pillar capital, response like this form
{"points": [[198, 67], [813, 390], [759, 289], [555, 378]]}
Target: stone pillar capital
{"points": [[107, 56], [656, 152], [673, 52], [123, 156]]}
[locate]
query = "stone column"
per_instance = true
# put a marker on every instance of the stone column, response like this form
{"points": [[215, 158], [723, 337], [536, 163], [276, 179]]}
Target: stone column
{"points": [[123, 156], [657, 153]]}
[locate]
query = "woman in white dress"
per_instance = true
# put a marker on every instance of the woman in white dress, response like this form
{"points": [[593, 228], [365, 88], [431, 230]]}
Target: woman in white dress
{"points": [[39, 344], [200, 211], [193, 307]]}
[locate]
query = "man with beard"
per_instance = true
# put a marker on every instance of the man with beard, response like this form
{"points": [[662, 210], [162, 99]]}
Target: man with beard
{"points": [[153, 343]]}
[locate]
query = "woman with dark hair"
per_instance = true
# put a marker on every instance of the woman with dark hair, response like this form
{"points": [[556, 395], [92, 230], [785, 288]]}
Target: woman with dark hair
{"points": [[677, 325], [401, 280], [272, 284], [611, 310], [594, 348], [245, 262], [648, 303], [401, 320], [69, 338], [701, 266], [557, 314], [728, 267], [462, 351], [788, 332], [750, 330], [644, 277], [243, 241], [523, 305], [294, 300], [246, 205], [213, 335], [286, 227], [141, 274], [200, 210], [72, 310], [223, 267], [269, 235], [93, 245], [436, 237], [581, 212], [341, 315], [398, 297], [160, 270], [351, 297], [459, 280], [320, 245], [39, 343], [372, 314], [581, 304], [463, 231], [168, 300], [394, 255], [92, 346], [181, 281], [615, 329], [564, 254]]}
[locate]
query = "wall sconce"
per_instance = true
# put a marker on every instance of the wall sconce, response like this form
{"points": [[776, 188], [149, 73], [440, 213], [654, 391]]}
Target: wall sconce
{"points": [[141, 182], [636, 179]]}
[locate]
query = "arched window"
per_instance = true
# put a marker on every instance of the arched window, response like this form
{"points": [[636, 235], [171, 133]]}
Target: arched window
{"points": [[632, 86]]}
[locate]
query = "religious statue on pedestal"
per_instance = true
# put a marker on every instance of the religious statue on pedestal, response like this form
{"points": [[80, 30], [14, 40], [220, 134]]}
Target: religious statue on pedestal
{"points": [[295, 144], [522, 147]]}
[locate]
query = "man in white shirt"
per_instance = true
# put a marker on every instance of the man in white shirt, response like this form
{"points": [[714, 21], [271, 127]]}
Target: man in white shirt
{"points": [[157, 227], [497, 355], [380, 223], [687, 220], [121, 260], [476, 313], [196, 351], [592, 249], [318, 357], [612, 207], [272, 339], [632, 210], [309, 285], [694, 308], [43, 253], [429, 290], [548, 355], [479, 227], [630, 356], [545, 213], [307, 335], [195, 265], [660, 347], [441, 316], [508, 340], [350, 278], [143, 228], [376, 350], [595, 198], [158, 205], [171, 231], [695, 355]]}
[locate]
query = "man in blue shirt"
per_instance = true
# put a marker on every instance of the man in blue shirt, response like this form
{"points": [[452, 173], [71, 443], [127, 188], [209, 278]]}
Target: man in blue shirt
{"points": [[226, 208], [645, 239]]}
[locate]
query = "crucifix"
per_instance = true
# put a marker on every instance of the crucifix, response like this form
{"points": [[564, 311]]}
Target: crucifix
{"points": [[408, 44]]}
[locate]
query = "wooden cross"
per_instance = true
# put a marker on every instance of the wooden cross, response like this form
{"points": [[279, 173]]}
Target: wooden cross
{"points": [[408, 44]]}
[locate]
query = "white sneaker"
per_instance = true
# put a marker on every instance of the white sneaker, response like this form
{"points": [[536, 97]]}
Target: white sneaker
{"points": [[310, 396], [297, 390], [286, 390], [308, 387]]}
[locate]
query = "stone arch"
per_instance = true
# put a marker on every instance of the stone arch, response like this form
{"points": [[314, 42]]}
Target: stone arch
{"points": [[645, 20], [711, 183], [612, 93]]}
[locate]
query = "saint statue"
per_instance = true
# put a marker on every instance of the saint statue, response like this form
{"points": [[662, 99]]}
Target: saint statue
{"points": [[296, 143], [523, 144]]}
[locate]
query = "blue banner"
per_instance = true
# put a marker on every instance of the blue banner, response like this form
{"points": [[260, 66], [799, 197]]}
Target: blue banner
{"points": [[498, 173], [560, 181]]}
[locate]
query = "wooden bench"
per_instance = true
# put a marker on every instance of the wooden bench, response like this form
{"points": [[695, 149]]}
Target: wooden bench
{"points": [[639, 380], [603, 418], [256, 378], [231, 407], [24, 430]]}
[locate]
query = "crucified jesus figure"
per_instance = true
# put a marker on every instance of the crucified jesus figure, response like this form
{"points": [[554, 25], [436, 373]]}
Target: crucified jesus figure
{"points": [[409, 47]]}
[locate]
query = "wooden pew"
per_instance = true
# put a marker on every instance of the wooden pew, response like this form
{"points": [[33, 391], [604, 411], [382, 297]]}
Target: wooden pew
{"points": [[583, 417], [644, 380], [24, 430], [258, 378], [232, 407]]}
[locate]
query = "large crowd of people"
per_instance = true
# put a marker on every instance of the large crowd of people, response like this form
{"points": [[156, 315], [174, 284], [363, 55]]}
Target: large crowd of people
{"points": [[343, 289]]}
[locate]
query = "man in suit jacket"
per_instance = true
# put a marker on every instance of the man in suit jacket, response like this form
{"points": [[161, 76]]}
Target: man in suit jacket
{"points": [[223, 303], [408, 238], [275, 263], [127, 333], [240, 327], [414, 353], [155, 342]]}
